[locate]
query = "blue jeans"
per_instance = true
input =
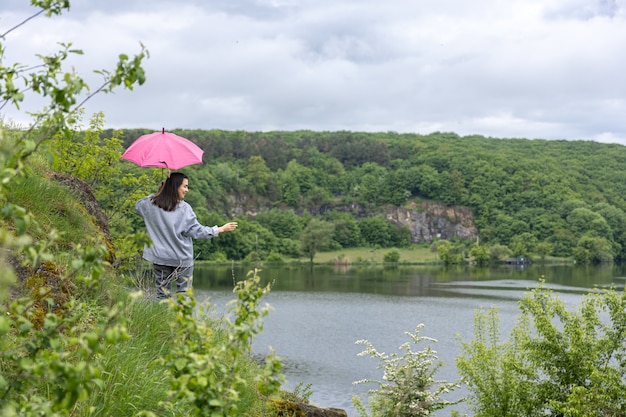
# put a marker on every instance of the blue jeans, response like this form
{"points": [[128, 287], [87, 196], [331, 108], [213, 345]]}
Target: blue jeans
{"points": [[166, 275]]}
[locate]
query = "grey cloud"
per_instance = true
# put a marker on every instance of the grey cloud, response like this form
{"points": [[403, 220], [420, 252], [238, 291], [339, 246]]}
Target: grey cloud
{"points": [[585, 10], [505, 69]]}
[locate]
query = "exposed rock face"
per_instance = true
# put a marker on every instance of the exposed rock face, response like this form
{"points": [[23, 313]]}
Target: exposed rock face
{"points": [[426, 221], [429, 221], [243, 205]]}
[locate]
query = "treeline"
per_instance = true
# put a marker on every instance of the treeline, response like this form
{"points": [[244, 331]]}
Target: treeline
{"points": [[560, 198]]}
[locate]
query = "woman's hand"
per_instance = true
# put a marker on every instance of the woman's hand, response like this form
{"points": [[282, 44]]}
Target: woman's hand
{"points": [[228, 227]]}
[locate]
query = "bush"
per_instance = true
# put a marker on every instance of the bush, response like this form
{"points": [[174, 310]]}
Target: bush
{"points": [[557, 362], [393, 256], [410, 389], [289, 247], [209, 376], [274, 257], [219, 257]]}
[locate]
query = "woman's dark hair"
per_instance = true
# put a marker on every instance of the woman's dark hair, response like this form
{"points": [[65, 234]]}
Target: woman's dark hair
{"points": [[167, 197]]}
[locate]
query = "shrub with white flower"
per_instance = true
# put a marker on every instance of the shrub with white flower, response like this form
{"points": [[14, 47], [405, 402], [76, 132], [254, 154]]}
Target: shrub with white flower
{"points": [[409, 388]]}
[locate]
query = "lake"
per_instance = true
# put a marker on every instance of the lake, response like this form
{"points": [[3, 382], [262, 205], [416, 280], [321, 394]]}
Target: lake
{"points": [[318, 313]]}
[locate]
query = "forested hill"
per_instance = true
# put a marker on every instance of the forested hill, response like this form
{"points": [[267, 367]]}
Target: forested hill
{"points": [[566, 195]]}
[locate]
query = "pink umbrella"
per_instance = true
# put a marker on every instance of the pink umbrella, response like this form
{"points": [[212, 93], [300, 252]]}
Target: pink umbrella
{"points": [[163, 150]]}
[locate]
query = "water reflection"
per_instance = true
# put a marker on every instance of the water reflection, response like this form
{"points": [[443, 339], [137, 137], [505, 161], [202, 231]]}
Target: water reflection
{"points": [[320, 312], [407, 281]]}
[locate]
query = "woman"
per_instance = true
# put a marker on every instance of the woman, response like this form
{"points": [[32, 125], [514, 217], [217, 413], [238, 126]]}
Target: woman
{"points": [[171, 225]]}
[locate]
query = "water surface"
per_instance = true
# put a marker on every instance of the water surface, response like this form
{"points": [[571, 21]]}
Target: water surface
{"points": [[320, 312]]}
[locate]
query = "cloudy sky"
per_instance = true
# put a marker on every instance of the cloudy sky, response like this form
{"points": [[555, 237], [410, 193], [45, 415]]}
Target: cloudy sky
{"points": [[549, 69]]}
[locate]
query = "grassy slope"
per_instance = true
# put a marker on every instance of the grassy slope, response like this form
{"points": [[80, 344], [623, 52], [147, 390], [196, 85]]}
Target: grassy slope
{"points": [[132, 377]]}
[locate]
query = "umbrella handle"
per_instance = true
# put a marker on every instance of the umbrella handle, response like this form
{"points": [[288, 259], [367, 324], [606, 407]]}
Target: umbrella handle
{"points": [[168, 169]]}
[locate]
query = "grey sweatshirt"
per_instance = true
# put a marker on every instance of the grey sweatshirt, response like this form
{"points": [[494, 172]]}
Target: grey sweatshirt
{"points": [[172, 232]]}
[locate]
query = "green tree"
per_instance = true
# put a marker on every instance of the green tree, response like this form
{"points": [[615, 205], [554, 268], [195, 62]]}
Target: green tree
{"points": [[397, 187], [544, 249], [583, 220], [563, 242], [375, 231], [316, 236], [616, 219], [523, 244], [507, 226], [318, 197], [302, 175], [498, 253], [227, 175], [378, 232], [347, 233], [289, 247], [88, 155], [356, 149], [282, 223], [568, 206], [593, 250], [252, 237], [545, 224], [453, 189], [335, 176], [480, 254], [290, 191], [429, 181], [449, 253], [372, 186], [258, 174]]}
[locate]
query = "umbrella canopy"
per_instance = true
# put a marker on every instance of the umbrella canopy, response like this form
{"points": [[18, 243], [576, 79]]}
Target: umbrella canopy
{"points": [[163, 150]]}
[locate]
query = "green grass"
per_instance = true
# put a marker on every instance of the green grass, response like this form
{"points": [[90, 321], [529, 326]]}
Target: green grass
{"points": [[54, 207], [416, 254], [133, 379]]}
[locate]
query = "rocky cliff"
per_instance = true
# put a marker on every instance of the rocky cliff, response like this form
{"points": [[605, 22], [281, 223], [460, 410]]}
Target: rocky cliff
{"points": [[428, 221]]}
